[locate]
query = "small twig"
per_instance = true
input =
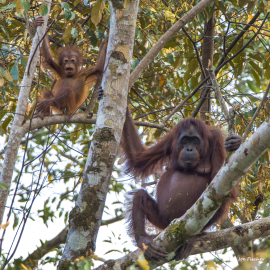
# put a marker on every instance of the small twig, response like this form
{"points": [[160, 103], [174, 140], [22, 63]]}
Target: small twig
{"points": [[229, 115], [196, 50], [137, 94], [202, 99], [256, 113], [217, 90]]}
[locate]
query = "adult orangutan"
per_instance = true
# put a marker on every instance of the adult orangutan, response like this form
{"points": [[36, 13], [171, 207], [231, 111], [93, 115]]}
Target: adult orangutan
{"points": [[193, 153], [71, 88]]}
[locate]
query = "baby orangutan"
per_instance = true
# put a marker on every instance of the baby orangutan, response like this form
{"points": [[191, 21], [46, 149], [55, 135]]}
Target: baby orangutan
{"points": [[71, 87]]}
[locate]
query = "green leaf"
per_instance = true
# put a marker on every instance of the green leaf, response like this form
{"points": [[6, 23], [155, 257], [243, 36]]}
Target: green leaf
{"points": [[16, 221], [26, 6], [191, 68], [136, 31], [67, 14], [13, 5], [93, 38], [14, 71], [256, 67], [3, 186], [44, 9], [23, 62], [170, 58], [72, 15], [65, 6], [74, 32], [6, 122], [257, 78]]}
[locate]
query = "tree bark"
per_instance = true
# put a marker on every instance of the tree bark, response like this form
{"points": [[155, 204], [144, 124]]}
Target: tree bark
{"points": [[207, 55], [16, 129], [85, 218]]}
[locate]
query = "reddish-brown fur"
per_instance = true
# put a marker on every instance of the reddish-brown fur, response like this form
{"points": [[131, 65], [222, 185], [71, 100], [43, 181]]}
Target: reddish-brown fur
{"points": [[71, 88], [179, 187]]}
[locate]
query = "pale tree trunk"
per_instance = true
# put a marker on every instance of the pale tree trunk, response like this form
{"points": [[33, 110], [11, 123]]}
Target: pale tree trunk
{"points": [[207, 55], [85, 218], [194, 220], [16, 133]]}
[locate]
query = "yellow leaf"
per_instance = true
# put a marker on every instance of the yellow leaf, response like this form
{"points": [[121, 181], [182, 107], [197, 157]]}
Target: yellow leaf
{"points": [[23, 266], [257, 103], [266, 55], [97, 12], [19, 8], [55, 11], [2, 82], [170, 16], [161, 80], [4, 226], [77, 2], [142, 262], [67, 32], [126, 3], [250, 16], [8, 76]]}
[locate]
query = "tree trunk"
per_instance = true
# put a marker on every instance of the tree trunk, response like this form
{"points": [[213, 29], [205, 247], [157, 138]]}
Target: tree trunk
{"points": [[15, 133], [85, 218], [207, 55]]}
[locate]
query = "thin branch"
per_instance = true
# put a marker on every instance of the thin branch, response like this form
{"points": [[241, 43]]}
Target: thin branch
{"points": [[196, 50], [218, 92], [199, 105], [256, 113], [151, 125]]}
